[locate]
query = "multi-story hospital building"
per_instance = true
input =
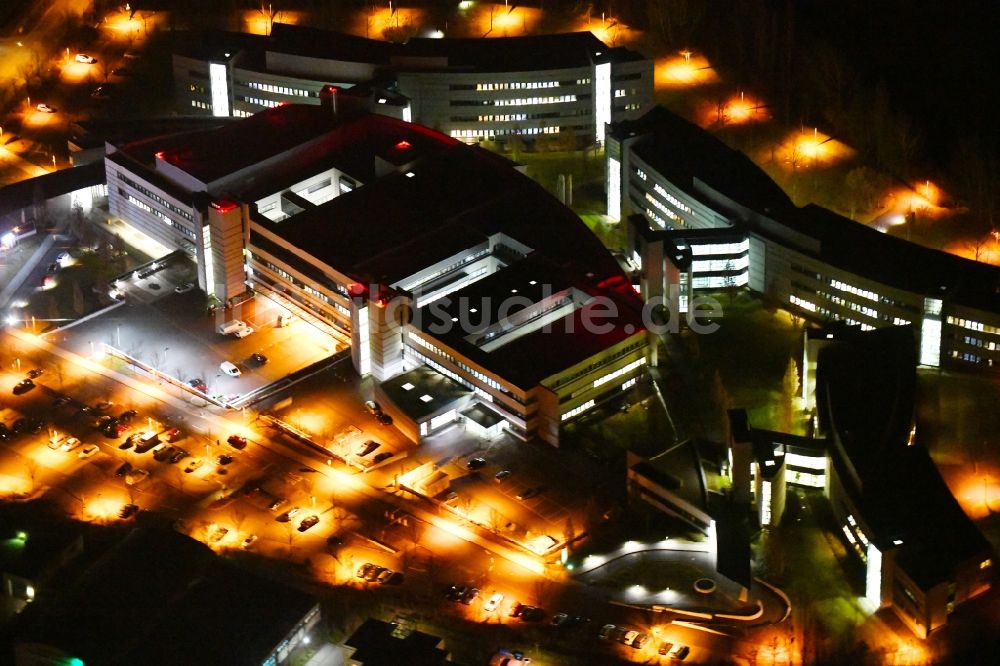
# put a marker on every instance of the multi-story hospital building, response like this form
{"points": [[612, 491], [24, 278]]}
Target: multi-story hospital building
{"points": [[470, 89]]}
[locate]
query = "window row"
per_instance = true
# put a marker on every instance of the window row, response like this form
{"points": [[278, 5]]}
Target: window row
{"points": [[280, 90], [155, 197]]}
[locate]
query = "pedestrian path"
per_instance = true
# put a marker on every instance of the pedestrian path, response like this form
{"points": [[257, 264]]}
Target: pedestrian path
{"points": [[22, 274]]}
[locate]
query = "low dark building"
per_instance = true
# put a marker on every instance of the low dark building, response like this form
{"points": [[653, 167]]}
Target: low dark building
{"points": [[160, 597], [378, 643]]}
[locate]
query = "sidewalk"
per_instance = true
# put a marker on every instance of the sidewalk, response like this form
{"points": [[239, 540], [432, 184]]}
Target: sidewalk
{"points": [[328, 655], [22, 274]]}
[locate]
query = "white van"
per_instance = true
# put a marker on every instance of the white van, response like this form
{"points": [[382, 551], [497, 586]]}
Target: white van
{"points": [[231, 327], [229, 369]]}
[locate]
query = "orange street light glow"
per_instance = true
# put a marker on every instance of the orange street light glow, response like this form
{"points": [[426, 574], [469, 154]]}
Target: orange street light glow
{"points": [[684, 69], [375, 24], [13, 485], [738, 109], [497, 20], [102, 509], [809, 149], [977, 493], [256, 22]]}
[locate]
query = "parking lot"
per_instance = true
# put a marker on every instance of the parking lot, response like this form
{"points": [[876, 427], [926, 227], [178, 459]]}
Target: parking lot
{"points": [[177, 335]]}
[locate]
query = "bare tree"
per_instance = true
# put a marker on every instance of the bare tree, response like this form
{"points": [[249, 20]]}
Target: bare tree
{"points": [[31, 467]]}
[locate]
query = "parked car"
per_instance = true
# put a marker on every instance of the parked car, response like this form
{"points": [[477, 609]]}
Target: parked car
{"points": [[69, 444], [35, 373], [665, 648], [249, 541], [123, 469], [62, 400], [198, 385], [493, 602], [45, 108], [23, 386], [181, 288], [394, 578], [172, 435], [475, 463], [502, 474], [85, 59], [382, 457], [127, 416], [243, 332], [216, 533], [680, 652], [237, 441], [365, 569], [177, 455], [288, 515], [470, 595], [532, 614], [389, 577], [455, 592], [114, 429], [136, 476], [258, 358], [367, 448], [516, 609], [224, 459], [88, 451], [147, 441], [383, 418], [372, 407], [373, 574], [308, 522], [193, 464], [229, 369]]}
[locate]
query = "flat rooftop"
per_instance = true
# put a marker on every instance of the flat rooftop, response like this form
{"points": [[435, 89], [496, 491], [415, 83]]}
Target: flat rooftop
{"points": [[379, 643], [496, 54], [869, 382], [451, 199], [603, 313], [318, 138], [160, 608], [423, 392]]}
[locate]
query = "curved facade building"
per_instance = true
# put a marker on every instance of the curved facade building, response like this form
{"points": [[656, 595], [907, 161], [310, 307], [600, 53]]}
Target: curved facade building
{"points": [[719, 221], [471, 89]]}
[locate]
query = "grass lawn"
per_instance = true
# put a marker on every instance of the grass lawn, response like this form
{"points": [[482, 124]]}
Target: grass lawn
{"points": [[741, 365]]}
